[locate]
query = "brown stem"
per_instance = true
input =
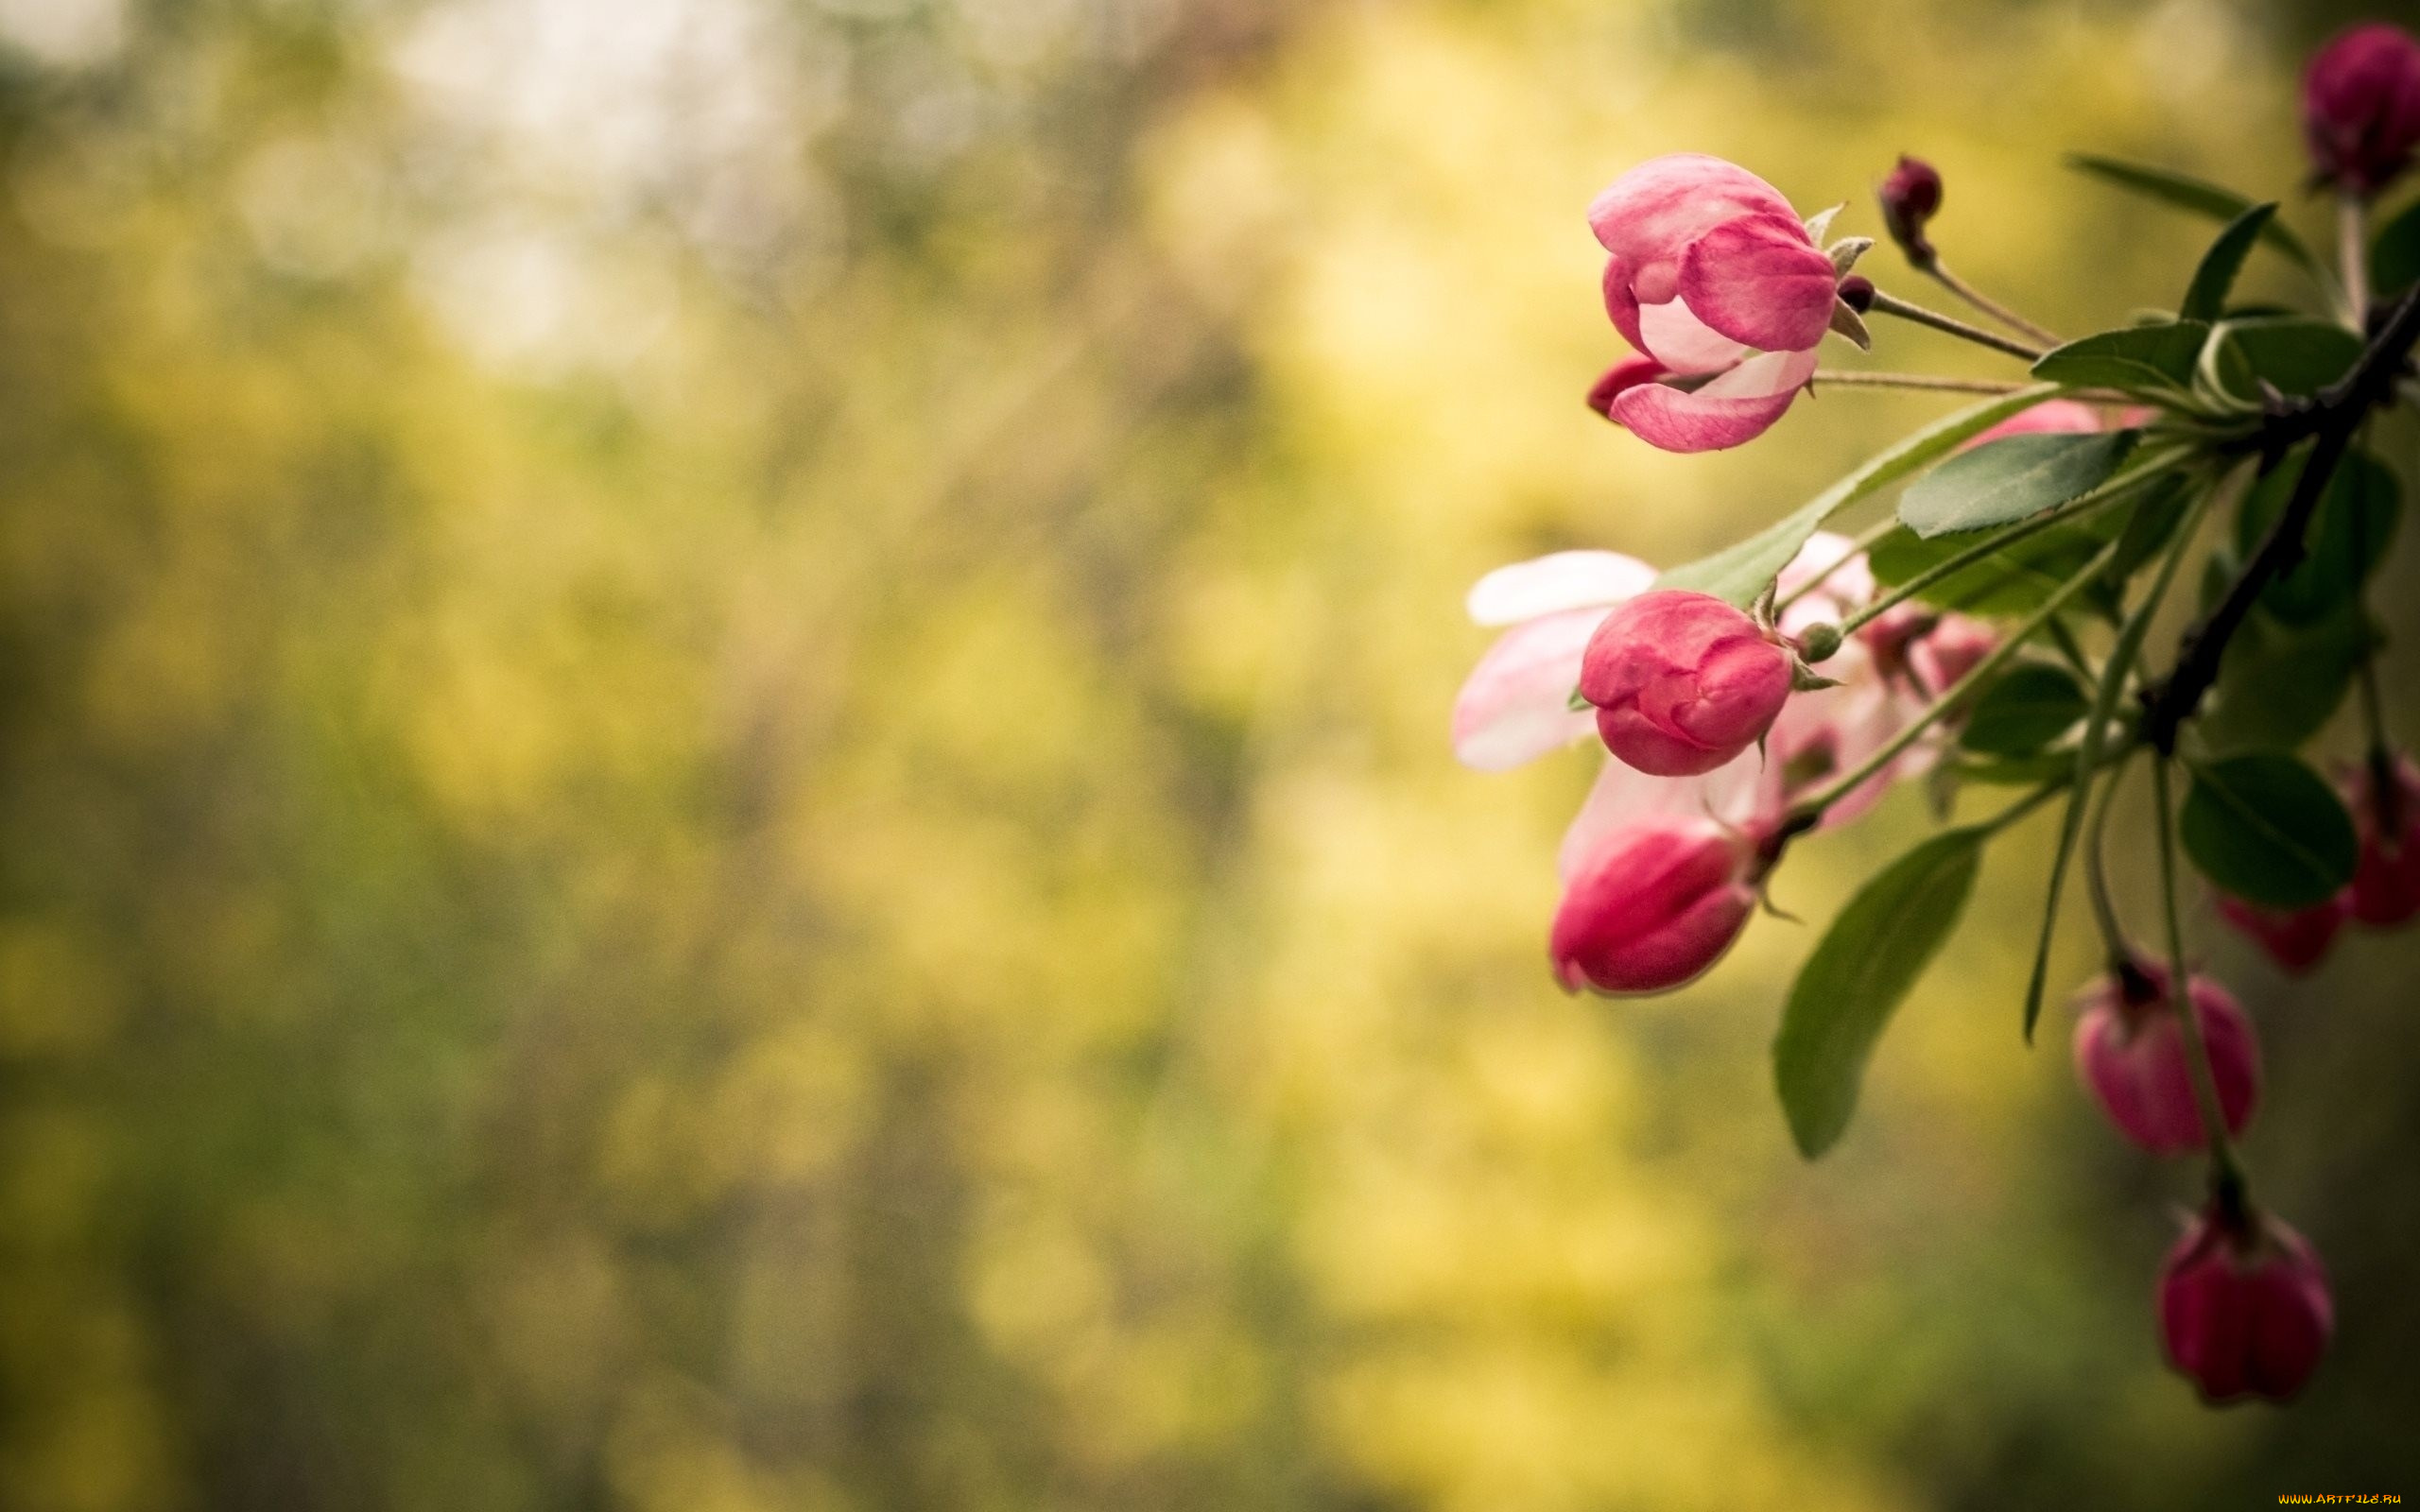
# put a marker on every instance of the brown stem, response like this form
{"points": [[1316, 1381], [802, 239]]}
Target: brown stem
{"points": [[2329, 422]]}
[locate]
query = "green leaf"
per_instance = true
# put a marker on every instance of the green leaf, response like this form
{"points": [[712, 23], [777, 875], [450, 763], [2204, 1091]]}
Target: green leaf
{"points": [[2207, 298], [2145, 359], [1739, 573], [2004, 481], [2149, 525], [2032, 705], [2395, 256], [1860, 971], [2279, 683], [2015, 580], [2200, 196], [2347, 539], [2269, 830], [2296, 355]]}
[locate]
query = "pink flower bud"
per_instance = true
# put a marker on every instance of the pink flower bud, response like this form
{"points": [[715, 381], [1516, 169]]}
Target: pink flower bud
{"points": [[2386, 881], [1652, 902], [1910, 198], [2244, 1307], [1681, 682], [1626, 374], [1710, 272], [2130, 1055], [2296, 940], [2361, 107]]}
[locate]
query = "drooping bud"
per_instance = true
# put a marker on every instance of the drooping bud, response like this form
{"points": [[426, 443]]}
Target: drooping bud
{"points": [[2361, 107], [1683, 682], [1653, 902], [2245, 1308], [2386, 879], [1910, 196], [2131, 1056], [1628, 373], [2296, 940]]}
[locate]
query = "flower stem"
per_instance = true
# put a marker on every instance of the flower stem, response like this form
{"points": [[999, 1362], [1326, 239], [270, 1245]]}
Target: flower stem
{"points": [[1808, 812], [2226, 1173], [2106, 494], [1990, 306], [2096, 860], [1929, 382], [2353, 257], [1892, 304]]}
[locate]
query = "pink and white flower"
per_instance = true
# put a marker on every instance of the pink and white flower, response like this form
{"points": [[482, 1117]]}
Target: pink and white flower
{"points": [[1515, 706], [1713, 275]]}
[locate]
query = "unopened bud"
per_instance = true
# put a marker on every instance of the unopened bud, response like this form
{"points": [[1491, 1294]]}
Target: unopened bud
{"points": [[1682, 681], [1857, 292], [2245, 1308], [2131, 1055], [1910, 196], [2361, 107], [1818, 642]]}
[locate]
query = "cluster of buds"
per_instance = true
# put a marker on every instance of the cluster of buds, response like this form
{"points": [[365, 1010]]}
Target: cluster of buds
{"points": [[1733, 721]]}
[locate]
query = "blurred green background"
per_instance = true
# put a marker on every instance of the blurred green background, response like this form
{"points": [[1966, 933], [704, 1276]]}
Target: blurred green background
{"points": [[725, 782]]}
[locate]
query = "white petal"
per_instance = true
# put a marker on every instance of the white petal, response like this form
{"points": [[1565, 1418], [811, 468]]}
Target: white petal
{"points": [[1733, 793], [1516, 704], [1557, 581], [1678, 339]]}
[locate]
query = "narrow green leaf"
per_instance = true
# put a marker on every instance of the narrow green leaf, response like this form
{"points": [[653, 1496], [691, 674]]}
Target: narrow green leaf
{"points": [[2200, 196], [2207, 298], [2395, 255], [2007, 480], [2032, 705], [2144, 359], [2269, 830], [1738, 573], [1860, 972]]}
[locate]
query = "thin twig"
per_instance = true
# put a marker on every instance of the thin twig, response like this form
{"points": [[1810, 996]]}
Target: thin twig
{"points": [[1990, 306], [1892, 304]]}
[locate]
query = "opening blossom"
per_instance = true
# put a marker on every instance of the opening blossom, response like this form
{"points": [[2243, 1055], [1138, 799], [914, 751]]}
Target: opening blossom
{"points": [[2130, 1055], [1713, 276], [2361, 107], [2245, 1308], [1683, 682]]}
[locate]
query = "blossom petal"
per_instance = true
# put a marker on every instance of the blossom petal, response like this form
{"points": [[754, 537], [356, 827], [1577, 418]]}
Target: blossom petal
{"points": [[1648, 216], [1736, 407], [1736, 794], [2050, 418], [1515, 706], [1559, 580], [1759, 281], [1621, 305], [1673, 335]]}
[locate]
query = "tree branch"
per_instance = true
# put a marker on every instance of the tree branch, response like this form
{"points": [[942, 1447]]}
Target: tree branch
{"points": [[2329, 421]]}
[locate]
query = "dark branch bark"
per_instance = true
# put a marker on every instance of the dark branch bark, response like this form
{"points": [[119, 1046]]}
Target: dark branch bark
{"points": [[2329, 421]]}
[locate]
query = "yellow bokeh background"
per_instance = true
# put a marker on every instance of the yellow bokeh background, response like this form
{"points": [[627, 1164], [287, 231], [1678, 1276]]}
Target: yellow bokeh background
{"points": [[726, 783]]}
